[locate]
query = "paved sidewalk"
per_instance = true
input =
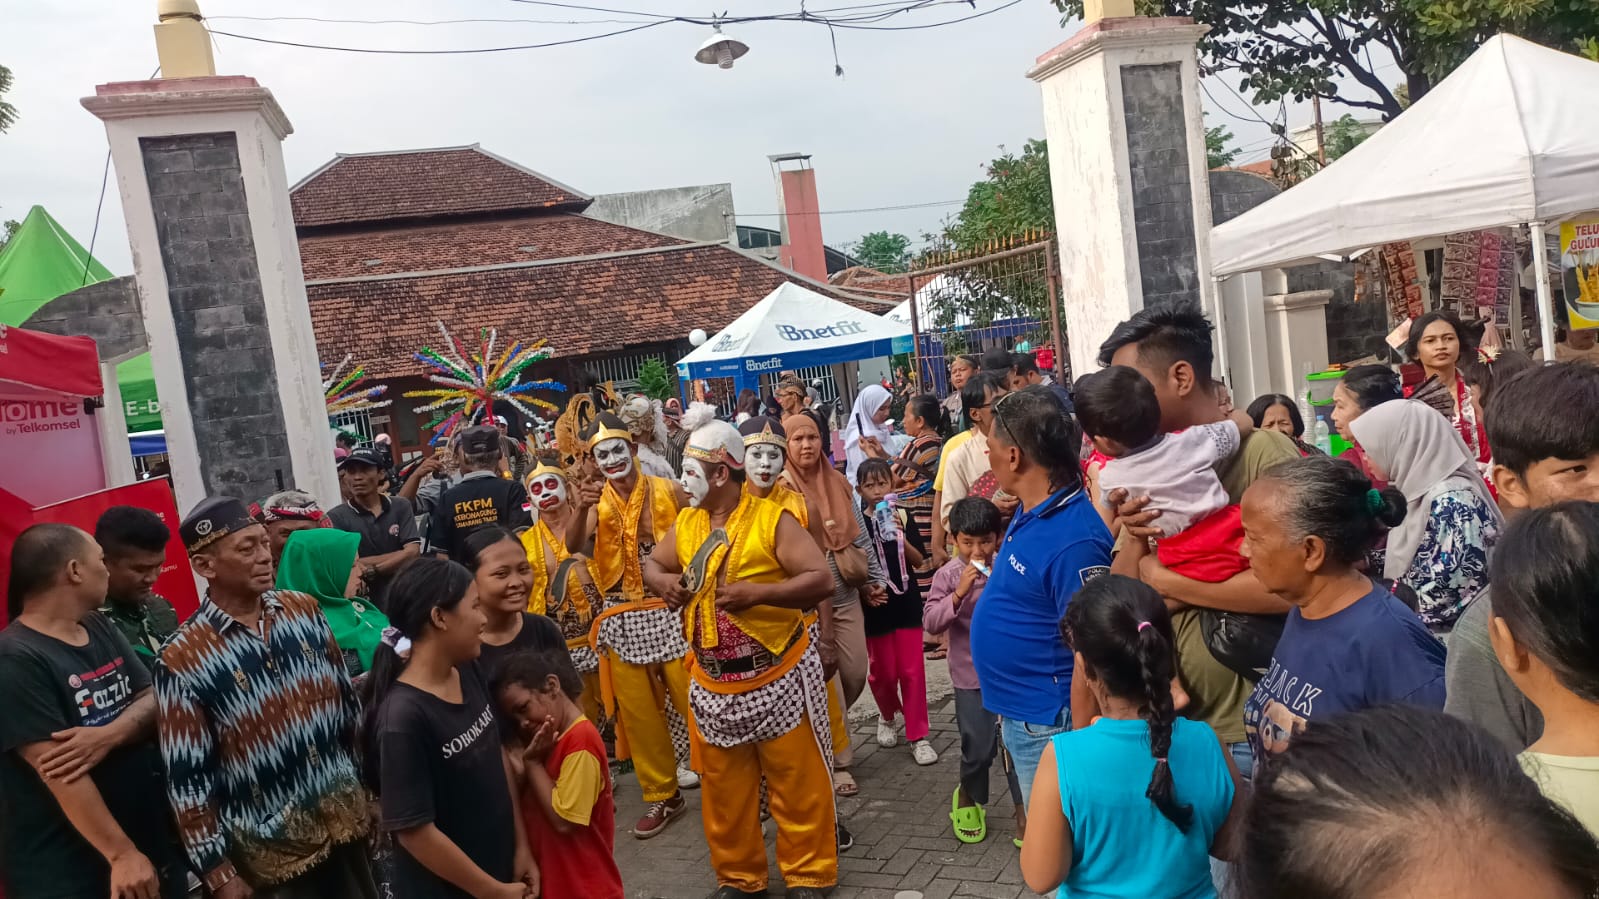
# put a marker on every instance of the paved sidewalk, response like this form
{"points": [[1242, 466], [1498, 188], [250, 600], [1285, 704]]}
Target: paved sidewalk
{"points": [[900, 820]]}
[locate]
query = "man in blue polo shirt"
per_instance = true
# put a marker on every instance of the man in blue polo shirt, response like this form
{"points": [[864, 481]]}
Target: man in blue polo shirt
{"points": [[1056, 542]]}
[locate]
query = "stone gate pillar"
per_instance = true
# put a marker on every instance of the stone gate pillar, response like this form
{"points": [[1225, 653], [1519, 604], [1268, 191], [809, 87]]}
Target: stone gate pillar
{"points": [[199, 166], [1127, 164]]}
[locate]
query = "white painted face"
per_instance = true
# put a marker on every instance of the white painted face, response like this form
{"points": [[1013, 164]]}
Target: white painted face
{"points": [[694, 482], [763, 462], [614, 458], [548, 492]]}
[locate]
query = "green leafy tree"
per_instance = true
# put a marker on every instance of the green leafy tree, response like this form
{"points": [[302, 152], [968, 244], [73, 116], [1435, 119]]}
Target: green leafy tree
{"points": [[8, 113], [1293, 49], [1343, 135], [1218, 153], [10, 226], [654, 381], [1012, 200], [883, 251]]}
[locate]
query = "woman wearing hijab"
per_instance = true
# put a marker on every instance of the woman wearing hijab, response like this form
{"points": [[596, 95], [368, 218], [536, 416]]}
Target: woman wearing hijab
{"points": [[842, 532], [868, 425], [321, 562], [1440, 549]]}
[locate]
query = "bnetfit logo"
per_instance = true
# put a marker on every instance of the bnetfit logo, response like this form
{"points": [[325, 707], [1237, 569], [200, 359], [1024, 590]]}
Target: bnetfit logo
{"points": [[769, 365], [839, 329], [40, 416]]}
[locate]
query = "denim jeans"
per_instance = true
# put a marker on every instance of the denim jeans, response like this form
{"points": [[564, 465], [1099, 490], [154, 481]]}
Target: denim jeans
{"points": [[1026, 743], [1221, 873]]}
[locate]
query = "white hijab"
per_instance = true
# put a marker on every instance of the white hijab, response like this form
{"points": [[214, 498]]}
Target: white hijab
{"points": [[1423, 456], [861, 425]]}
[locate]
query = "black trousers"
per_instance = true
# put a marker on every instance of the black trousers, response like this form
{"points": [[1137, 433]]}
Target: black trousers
{"points": [[346, 874], [979, 730]]}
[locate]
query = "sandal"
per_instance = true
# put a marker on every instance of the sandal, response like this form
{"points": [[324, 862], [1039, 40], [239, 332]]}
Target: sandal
{"points": [[971, 822], [937, 654], [844, 784]]}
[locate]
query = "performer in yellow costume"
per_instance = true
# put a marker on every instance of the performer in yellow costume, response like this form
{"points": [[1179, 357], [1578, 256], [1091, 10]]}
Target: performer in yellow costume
{"points": [[765, 455], [746, 572], [563, 590], [639, 639]]}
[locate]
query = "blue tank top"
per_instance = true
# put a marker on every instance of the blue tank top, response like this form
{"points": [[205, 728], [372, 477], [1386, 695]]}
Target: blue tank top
{"points": [[1122, 846]]}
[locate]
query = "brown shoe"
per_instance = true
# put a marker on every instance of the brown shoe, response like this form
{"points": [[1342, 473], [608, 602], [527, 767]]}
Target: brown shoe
{"points": [[658, 815]]}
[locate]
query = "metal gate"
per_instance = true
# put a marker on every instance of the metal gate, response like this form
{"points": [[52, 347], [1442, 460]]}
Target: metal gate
{"points": [[1003, 295]]}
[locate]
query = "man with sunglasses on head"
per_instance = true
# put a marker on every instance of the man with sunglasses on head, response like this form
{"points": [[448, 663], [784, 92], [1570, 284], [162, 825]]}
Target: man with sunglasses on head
{"points": [[1055, 543]]}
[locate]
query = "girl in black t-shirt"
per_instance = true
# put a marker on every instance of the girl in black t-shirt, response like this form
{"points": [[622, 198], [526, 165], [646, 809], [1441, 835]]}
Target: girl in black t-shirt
{"points": [[432, 748], [504, 576]]}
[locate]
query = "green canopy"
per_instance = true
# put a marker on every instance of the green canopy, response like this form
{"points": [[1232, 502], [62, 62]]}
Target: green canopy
{"points": [[40, 263], [138, 394]]}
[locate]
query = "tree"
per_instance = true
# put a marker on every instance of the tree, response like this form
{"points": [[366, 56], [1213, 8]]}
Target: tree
{"points": [[1217, 154], [8, 113], [10, 228], [1289, 48], [654, 381], [883, 251], [1343, 135], [1012, 199]]}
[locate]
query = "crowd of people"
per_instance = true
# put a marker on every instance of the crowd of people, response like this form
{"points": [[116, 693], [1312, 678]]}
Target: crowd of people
{"points": [[1214, 660]]}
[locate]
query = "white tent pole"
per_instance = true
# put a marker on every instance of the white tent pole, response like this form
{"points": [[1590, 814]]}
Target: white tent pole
{"points": [[1219, 314], [1540, 268]]}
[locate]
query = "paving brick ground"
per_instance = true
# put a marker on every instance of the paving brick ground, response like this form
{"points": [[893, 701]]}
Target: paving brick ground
{"points": [[900, 821]]}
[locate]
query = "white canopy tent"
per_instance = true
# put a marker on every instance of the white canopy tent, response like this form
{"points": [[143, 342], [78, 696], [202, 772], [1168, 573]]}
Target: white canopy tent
{"points": [[1502, 141]]}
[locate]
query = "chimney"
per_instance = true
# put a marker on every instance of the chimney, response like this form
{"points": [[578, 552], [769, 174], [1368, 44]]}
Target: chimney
{"points": [[799, 213]]}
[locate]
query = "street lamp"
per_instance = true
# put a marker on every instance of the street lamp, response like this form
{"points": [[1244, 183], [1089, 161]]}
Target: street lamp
{"points": [[698, 336], [720, 50]]}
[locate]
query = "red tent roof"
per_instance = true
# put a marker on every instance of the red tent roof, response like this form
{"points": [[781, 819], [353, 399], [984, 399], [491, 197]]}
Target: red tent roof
{"points": [[69, 365]]}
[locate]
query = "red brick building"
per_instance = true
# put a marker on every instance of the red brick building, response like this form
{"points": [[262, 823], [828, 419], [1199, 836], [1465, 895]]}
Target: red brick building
{"points": [[393, 242]]}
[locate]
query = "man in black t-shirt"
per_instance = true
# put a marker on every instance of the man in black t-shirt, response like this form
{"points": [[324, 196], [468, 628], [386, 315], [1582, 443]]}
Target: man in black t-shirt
{"points": [[481, 499], [386, 524], [75, 700]]}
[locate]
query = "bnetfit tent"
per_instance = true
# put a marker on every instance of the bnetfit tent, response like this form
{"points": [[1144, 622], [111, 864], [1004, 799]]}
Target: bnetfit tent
{"points": [[794, 327], [1504, 140]]}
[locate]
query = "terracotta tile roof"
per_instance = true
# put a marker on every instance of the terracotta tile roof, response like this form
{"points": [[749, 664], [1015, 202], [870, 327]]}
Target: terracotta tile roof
{"points": [[423, 184], [871, 282], [463, 244], [582, 307]]}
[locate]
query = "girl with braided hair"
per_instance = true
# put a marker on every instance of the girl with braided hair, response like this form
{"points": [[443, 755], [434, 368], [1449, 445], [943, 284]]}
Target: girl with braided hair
{"points": [[1141, 798]]}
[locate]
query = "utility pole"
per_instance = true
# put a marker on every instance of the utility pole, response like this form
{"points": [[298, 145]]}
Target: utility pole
{"points": [[1321, 142]]}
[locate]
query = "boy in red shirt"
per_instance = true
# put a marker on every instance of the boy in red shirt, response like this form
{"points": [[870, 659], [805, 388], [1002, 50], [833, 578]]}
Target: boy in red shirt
{"points": [[565, 777]]}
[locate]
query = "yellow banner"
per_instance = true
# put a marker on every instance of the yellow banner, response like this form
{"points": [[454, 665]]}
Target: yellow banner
{"points": [[1579, 259]]}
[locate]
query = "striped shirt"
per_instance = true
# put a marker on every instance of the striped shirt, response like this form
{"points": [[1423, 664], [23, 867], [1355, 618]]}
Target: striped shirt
{"points": [[257, 733]]}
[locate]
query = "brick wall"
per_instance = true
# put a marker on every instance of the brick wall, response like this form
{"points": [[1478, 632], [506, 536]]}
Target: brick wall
{"points": [[214, 288], [1157, 146]]}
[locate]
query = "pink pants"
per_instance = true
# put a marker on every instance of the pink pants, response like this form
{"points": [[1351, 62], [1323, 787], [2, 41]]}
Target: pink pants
{"points": [[899, 680]]}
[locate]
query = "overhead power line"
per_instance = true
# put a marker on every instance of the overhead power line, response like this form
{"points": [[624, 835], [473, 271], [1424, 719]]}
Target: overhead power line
{"points": [[853, 211]]}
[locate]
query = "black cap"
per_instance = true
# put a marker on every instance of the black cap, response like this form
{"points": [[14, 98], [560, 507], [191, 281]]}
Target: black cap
{"points": [[212, 520], [362, 456], [480, 440]]}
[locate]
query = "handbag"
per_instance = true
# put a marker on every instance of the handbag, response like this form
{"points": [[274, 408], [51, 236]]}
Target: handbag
{"points": [[1242, 642], [852, 566]]}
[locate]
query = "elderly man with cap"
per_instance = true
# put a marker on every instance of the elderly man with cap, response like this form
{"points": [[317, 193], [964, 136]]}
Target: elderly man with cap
{"points": [[285, 512], [481, 499], [257, 720], [745, 572], [386, 524], [639, 639]]}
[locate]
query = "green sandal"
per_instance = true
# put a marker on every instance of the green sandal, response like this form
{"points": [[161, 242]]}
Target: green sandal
{"points": [[971, 822]]}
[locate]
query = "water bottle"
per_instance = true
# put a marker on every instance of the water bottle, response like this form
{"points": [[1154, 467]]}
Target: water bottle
{"points": [[1323, 436], [887, 521]]}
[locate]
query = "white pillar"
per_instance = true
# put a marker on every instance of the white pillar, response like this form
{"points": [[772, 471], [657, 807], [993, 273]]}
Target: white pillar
{"points": [[1247, 368], [112, 426], [1296, 338], [199, 166], [1128, 171]]}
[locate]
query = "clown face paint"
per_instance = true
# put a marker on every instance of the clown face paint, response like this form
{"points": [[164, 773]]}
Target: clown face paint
{"points": [[547, 491], [694, 482], [763, 463], [614, 458]]}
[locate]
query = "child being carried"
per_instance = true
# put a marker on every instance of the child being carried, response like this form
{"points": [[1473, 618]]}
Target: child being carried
{"points": [[1200, 530]]}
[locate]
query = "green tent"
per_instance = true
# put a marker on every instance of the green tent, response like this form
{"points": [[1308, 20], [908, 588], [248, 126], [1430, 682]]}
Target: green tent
{"points": [[42, 262]]}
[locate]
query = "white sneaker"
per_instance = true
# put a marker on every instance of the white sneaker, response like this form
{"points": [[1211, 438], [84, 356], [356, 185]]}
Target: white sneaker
{"points": [[687, 780], [886, 736], [924, 753]]}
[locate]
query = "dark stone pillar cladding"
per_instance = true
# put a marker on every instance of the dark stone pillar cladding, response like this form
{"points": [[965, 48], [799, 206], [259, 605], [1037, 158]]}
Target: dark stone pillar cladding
{"points": [[1163, 200], [214, 287]]}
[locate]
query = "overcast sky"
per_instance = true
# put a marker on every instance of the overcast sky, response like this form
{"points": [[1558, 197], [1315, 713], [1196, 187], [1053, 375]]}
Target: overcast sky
{"points": [[914, 119]]}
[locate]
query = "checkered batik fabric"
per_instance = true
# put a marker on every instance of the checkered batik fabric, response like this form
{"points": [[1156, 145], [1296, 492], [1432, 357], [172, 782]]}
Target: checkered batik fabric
{"points": [[645, 636]]}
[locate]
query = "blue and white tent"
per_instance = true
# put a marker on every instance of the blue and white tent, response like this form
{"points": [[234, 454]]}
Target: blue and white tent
{"points": [[794, 327]]}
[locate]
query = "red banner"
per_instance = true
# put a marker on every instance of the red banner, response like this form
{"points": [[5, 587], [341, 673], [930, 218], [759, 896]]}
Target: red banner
{"points": [[69, 365], [177, 580]]}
